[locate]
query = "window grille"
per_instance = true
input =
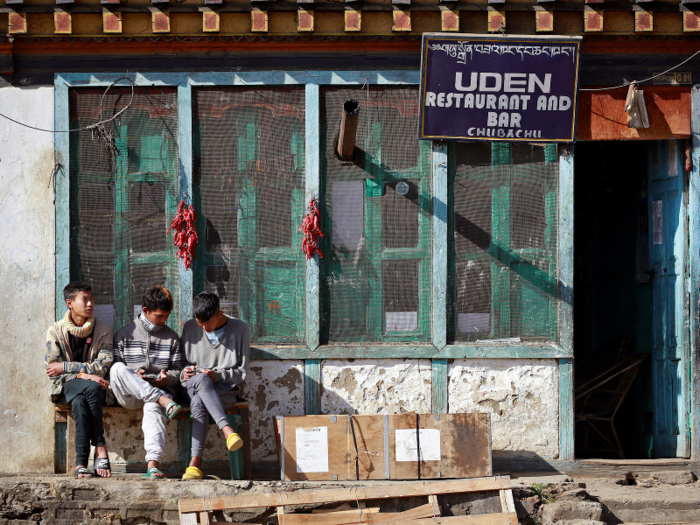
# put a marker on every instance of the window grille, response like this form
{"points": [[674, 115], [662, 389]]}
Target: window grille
{"points": [[249, 191], [377, 210], [123, 196], [504, 240]]}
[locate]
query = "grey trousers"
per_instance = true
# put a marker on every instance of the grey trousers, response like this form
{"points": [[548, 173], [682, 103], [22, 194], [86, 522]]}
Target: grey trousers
{"points": [[207, 398]]}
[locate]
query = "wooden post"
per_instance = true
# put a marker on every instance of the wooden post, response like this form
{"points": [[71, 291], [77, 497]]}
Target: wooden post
{"points": [[61, 121], [70, 445], [694, 256], [184, 144], [313, 138], [566, 301]]}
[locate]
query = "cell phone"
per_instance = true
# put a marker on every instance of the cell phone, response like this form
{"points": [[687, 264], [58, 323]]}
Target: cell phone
{"points": [[148, 376]]}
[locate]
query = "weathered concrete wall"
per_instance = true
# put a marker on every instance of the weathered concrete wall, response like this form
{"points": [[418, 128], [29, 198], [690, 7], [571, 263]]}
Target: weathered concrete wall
{"points": [[522, 396], [273, 388], [26, 279], [376, 386]]}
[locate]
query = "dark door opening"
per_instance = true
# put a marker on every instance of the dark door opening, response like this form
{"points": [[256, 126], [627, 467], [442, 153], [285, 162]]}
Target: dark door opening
{"points": [[612, 300]]}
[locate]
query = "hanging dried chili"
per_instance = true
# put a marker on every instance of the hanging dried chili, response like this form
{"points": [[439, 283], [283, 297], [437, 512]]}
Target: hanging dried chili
{"points": [[310, 227], [185, 233]]}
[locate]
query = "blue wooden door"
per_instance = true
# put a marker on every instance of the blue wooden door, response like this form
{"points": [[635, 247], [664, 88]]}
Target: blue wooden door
{"points": [[667, 239]]}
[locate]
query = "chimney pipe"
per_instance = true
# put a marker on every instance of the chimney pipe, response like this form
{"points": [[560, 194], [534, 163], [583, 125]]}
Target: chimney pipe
{"points": [[348, 129]]}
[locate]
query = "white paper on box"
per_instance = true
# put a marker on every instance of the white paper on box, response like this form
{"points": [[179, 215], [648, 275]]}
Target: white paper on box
{"points": [[406, 446], [312, 449]]}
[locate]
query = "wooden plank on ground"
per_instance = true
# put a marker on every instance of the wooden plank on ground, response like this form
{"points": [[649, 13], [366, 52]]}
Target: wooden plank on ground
{"points": [[371, 510], [424, 511], [477, 519], [376, 492], [333, 518]]}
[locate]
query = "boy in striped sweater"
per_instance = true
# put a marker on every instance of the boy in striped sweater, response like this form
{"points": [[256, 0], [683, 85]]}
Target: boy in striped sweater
{"points": [[146, 371]]}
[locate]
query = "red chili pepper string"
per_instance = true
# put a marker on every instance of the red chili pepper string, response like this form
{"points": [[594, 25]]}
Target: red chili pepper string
{"points": [[310, 227], [185, 233]]}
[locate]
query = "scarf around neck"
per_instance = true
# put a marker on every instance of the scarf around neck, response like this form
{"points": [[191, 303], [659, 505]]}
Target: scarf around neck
{"points": [[78, 331]]}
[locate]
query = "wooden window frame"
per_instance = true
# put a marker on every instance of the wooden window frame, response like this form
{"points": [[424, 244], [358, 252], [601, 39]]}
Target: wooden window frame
{"points": [[312, 353]]}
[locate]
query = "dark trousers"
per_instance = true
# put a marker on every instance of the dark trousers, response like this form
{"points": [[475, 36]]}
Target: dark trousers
{"points": [[85, 398]]}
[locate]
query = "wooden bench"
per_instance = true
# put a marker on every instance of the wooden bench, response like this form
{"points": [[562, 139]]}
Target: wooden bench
{"points": [[63, 414]]}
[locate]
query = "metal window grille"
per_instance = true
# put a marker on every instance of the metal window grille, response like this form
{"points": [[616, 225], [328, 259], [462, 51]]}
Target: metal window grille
{"points": [[504, 272], [377, 212], [123, 196], [249, 192]]}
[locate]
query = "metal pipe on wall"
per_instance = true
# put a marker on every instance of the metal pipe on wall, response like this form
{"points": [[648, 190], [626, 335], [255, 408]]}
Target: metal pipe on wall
{"points": [[348, 129]]}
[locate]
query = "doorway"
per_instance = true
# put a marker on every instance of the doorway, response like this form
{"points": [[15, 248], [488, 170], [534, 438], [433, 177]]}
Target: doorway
{"points": [[629, 236]]}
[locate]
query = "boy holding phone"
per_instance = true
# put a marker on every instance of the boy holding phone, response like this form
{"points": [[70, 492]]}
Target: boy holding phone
{"points": [[146, 371]]}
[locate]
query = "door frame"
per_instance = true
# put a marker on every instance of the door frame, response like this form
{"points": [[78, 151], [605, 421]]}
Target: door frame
{"points": [[693, 283]]}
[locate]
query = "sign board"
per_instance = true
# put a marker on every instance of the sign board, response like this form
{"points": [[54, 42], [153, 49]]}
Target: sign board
{"points": [[499, 87]]}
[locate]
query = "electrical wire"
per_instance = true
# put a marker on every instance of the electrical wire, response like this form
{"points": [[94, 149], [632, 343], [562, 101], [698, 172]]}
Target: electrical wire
{"points": [[646, 79], [91, 126]]}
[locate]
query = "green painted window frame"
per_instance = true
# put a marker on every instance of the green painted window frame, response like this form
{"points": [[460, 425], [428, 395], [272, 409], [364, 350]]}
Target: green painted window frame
{"points": [[251, 258], [124, 259], [503, 298], [312, 80]]}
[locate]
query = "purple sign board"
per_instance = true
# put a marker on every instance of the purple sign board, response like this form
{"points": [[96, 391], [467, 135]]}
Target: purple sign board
{"points": [[499, 87]]}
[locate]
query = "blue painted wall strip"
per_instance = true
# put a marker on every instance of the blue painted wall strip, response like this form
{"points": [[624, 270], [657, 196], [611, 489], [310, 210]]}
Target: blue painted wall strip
{"points": [[408, 352], [184, 99], [439, 398], [313, 137], [312, 386], [439, 245], [694, 285], [566, 301], [566, 409], [62, 181]]}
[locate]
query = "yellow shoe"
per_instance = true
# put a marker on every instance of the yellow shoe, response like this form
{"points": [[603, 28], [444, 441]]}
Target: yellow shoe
{"points": [[234, 442], [193, 473]]}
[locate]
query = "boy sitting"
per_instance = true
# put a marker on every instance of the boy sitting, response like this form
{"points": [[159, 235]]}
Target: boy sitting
{"points": [[78, 356], [216, 351], [146, 371]]}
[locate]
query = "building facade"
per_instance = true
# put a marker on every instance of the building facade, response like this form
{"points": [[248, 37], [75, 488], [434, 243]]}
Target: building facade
{"points": [[448, 271]]}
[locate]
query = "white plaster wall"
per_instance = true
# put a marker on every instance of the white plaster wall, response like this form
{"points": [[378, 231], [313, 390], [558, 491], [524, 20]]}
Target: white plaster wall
{"points": [[522, 396], [273, 388], [26, 279], [376, 386]]}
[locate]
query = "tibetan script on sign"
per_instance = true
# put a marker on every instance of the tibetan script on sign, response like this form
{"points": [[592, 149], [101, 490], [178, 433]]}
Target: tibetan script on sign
{"points": [[499, 88]]}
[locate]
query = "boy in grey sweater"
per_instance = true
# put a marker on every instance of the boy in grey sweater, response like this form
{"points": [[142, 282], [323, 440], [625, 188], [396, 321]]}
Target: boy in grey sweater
{"points": [[216, 350]]}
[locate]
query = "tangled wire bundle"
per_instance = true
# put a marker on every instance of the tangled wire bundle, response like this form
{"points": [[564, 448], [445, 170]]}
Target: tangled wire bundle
{"points": [[185, 233]]}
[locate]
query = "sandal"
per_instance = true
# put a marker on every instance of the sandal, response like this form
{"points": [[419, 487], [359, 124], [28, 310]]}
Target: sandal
{"points": [[193, 473], [101, 464], [153, 474], [82, 471], [172, 409], [234, 442]]}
